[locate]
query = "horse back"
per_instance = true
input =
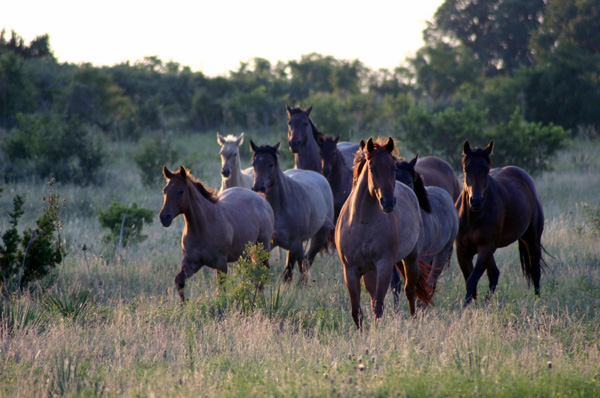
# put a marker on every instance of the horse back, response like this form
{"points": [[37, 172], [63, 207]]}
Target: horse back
{"points": [[437, 172], [311, 191], [441, 224], [347, 150]]}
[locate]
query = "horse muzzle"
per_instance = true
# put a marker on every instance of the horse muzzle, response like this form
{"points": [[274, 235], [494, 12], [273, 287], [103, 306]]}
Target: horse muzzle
{"points": [[259, 189], [475, 204], [387, 204], [165, 219], [225, 173]]}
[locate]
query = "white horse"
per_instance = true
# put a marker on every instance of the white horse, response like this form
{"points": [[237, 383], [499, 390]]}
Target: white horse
{"points": [[231, 170]]}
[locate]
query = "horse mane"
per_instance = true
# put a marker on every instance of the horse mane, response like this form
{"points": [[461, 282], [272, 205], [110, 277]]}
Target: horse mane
{"points": [[419, 185], [208, 193], [361, 156], [317, 134]]}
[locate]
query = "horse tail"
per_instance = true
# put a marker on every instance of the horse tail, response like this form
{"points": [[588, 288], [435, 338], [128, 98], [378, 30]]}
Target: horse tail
{"points": [[525, 263], [424, 288]]}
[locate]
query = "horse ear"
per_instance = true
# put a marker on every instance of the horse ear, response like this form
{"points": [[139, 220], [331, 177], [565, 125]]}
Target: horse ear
{"points": [[276, 146], [240, 140], [361, 144], [337, 139], [320, 140], [308, 110], [389, 144], [289, 111], [413, 162], [252, 146], [168, 175], [370, 145], [489, 148], [220, 139], [182, 171], [466, 148]]}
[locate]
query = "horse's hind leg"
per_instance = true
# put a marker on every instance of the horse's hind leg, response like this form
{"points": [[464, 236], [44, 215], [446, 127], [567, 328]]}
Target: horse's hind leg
{"points": [[411, 274], [317, 242]]}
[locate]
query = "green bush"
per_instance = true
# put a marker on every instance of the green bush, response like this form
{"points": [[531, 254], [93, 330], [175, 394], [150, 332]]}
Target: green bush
{"points": [[124, 222], [150, 157], [31, 256], [44, 144]]}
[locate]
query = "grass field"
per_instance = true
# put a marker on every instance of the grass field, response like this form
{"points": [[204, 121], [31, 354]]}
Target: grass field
{"points": [[104, 325]]}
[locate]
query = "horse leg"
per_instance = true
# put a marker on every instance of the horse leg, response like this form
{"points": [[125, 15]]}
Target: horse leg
{"points": [[180, 285], [295, 255], [377, 283], [493, 274], [317, 242], [188, 268], [352, 280], [465, 262], [395, 284], [484, 255], [411, 274]]}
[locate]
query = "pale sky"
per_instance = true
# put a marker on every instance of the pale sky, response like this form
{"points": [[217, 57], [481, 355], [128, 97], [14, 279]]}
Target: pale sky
{"points": [[214, 36]]}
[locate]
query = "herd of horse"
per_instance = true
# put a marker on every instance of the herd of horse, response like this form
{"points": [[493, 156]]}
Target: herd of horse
{"points": [[384, 215]]}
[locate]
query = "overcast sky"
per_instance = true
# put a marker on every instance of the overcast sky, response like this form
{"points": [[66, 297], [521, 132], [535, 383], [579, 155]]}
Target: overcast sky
{"points": [[215, 36]]}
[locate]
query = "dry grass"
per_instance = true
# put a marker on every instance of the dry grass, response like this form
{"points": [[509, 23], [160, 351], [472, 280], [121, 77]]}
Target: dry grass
{"points": [[134, 339]]}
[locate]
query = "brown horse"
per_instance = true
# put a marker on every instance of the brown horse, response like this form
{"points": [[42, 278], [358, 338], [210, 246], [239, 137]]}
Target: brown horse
{"points": [[303, 205], [336, 171], [380, 225], [496, 208], [231, 166], [440, 221], [217, 229], [302, 140], [437, 172]]}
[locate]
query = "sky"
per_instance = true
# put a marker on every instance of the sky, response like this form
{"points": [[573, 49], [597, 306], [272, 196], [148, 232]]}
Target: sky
{"points": [[215, 36]]}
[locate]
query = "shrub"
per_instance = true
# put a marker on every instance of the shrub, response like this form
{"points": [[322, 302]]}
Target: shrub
{"points": [[124, 222], [150, 157], [31, 256]]}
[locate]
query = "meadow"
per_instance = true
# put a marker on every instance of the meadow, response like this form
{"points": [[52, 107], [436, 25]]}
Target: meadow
{"points": [[112, 325]]}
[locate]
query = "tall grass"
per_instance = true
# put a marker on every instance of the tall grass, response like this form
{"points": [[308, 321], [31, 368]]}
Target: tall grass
{"points": [[101, 326]]}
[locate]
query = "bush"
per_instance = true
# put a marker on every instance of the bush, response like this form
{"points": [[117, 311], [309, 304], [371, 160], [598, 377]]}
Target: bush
{"points": [[150, 157], [124, 222], [45, 144], [31, 256]]}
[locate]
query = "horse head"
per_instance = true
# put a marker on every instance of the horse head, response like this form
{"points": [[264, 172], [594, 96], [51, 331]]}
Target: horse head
{"points": [[175, 198], [329, 153], [405, 171], [476, 167], [265, 165], [299, 128], [382, 173], [229, 153]]}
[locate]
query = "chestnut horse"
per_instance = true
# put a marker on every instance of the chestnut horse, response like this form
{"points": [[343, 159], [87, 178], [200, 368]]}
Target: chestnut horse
{"points": [[302, 140], [217, 229], [302, 203], [496, 208], [440, 221], [336, 171], [231, 169], [380, 226]]}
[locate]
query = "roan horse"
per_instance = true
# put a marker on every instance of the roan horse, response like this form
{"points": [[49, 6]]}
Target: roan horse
{"points": [[380, 225], [302, 140], [336, 171], [303, 205], [231, 169], [496, 208], [440, 221], [217, 229]]}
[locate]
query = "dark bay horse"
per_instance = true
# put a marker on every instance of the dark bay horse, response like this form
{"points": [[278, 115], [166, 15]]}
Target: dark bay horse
{"points": [[302, 140], [302, 203], [217, 229], [440, 221], [496, 208], [436, 172], [336, 171], [380, 226], [232, 174]]}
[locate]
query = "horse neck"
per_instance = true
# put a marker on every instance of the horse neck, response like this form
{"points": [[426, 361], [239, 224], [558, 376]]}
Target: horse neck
{"points": [[339, 174], [308, 157], [361, 202], [277, 196], [236, 173], [200, 213]]}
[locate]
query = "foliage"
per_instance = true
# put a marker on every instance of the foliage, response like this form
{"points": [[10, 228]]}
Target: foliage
{"points": [[73, 306], [150, 156], [18, 315], [125, 223], [591, 213], [40, 246], [46, 143]]}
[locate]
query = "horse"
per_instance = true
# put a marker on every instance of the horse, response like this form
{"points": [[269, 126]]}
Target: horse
{"points": [[217, 228], [380, 225], [336, 171], [302, 141], [437, 172], [440, 221], [231, 170], [496, 208], [302, 203]]}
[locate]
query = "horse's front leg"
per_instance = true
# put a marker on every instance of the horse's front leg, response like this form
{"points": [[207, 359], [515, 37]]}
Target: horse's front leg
{"points": [[493, 274], [485, 254], [352, 280], [295, 255], [377, 282], [188, 268], [465, 262]]}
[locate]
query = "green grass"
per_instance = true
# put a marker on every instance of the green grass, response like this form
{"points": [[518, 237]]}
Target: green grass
{"points": [[104, 326]]}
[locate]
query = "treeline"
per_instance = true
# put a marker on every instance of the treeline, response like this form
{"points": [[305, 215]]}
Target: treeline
{"points": [[524, 72]]}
